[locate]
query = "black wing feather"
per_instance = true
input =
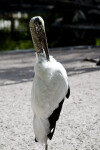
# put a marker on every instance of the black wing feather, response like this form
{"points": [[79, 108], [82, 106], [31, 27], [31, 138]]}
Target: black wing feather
{"points": [[53, 118], [68, 92]]}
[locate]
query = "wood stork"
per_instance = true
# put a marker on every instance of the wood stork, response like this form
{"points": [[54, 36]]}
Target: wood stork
{"points": [[50, 85]]}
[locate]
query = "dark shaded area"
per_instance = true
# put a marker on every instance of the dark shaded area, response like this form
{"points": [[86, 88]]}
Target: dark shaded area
{"points": [[78, 71], [16, 75], [93, 60], [26, 74], [17, 68]]}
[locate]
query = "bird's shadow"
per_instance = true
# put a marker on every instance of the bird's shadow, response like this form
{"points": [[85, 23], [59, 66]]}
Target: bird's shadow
{"points": [[26, 74], [15, 75]]}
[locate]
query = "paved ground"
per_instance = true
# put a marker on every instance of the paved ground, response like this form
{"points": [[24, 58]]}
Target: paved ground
{"points": [[79, 125]]}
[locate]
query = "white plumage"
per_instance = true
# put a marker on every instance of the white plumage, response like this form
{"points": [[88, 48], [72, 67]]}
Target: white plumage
{"points": [[50, 86]]}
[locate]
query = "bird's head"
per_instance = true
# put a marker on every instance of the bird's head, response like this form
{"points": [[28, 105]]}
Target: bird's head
{"points": [[38, 34]]}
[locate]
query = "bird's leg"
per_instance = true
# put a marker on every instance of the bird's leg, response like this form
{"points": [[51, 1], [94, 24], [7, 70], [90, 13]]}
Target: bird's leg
{"points": [[46, 146]]}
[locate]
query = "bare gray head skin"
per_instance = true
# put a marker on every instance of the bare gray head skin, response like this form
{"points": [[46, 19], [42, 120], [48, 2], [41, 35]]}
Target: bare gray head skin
{"points": [[38, 34]]}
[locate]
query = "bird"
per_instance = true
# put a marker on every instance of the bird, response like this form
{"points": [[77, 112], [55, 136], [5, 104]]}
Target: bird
{"points": [[50, 85]]}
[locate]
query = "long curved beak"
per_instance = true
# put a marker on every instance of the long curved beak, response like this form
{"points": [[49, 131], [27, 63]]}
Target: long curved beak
{"points": [[39, 36], [45, 46]]}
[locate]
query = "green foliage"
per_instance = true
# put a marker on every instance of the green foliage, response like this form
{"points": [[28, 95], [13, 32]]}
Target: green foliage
{"points": [[25, 44], [20, 37], [10, 44], [98, 42]]}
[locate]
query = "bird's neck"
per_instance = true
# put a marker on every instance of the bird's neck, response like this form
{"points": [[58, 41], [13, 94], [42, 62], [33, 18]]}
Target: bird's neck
{"points": [[41, 57]]}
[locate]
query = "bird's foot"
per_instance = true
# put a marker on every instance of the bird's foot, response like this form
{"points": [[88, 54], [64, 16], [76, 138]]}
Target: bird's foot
{"points": [[46, 146]]}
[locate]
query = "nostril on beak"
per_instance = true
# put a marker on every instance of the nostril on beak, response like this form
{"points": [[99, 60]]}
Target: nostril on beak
{"points": [[37, 20]]}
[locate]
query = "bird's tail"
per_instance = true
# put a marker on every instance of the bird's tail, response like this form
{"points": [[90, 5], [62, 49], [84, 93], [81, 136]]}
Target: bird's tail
{"points": [[41, 129]]}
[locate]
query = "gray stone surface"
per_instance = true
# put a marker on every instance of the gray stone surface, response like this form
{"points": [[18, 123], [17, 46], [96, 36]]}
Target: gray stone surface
{"points": [[79, 125]]}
